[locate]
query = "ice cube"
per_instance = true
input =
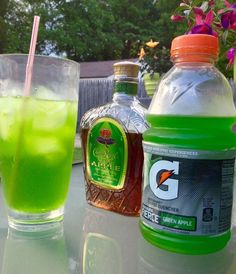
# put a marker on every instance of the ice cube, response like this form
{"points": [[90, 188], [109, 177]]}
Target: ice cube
{"points": [[9, 108], [50, 149], [10, 88], [49, 115], [44, 93]]}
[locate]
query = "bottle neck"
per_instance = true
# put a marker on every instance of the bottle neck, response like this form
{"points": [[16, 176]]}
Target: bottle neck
{"points": [[127, 88], [194, 64], [123, 98]]}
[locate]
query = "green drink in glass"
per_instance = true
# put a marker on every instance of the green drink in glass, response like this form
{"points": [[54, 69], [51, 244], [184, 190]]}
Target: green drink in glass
{"points": [[37, 139]]}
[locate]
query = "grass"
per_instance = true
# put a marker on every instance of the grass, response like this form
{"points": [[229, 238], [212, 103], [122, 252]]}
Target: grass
{"points": [[77, 158]]}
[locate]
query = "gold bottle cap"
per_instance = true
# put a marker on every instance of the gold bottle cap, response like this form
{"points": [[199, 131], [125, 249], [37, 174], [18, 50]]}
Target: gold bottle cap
{"points": [[126, 69]]}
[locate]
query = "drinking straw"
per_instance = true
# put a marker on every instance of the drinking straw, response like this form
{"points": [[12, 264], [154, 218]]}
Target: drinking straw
{"points": [[30, 61]]}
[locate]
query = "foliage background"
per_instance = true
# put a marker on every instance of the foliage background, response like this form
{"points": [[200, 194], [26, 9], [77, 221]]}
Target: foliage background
{"points": [[87, 30]]}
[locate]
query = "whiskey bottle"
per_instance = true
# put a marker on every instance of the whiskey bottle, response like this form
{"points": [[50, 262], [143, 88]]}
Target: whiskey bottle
{"points": [[111, 137]]}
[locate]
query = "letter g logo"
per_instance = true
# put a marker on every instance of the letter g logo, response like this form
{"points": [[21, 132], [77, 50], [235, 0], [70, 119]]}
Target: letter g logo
{"points": [[160, 182]]}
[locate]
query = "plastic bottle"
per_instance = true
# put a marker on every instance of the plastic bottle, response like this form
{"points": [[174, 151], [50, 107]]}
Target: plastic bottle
{"points": [[112, 146], [189, 153]]}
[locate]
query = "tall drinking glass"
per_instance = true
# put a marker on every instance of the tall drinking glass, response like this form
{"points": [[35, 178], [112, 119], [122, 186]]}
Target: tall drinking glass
{"points": [[37, 138]]}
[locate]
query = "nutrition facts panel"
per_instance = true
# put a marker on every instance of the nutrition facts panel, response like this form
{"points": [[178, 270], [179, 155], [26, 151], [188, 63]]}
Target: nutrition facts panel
{"points": [[95, 241]]}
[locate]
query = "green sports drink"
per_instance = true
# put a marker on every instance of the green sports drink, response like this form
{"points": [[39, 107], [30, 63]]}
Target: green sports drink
{"points": [[36, 148], [189, 153], [37, 135]]}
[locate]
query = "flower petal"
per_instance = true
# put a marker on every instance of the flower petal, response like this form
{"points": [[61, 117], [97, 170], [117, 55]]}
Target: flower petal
{"points": [[220, 11], [227, 4], [230, 55], [211, 3], [152, 44], [218, 25], [225, 20], [202, 29], [177, 18], [209, 17], [214, 33], [198, 11], [198, 19], [141, 53], [232, 20]]}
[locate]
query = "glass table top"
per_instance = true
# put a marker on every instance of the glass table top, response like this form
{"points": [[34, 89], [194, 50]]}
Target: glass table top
{"points": [[95, 241]]}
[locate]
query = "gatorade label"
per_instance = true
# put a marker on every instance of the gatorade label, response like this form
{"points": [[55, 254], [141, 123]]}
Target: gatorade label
{"points": [[187, 192]]}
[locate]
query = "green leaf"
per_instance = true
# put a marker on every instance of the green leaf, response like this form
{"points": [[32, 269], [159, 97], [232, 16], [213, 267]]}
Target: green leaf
{"points": [[225, 36]]}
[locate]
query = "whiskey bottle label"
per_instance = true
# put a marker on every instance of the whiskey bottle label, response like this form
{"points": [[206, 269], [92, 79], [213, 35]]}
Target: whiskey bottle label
{"points": [[107, 154]]}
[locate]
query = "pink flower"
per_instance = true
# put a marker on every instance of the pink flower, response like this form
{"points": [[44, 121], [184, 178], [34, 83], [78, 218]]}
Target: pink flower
{"points": [[203, 25], [211, 3], [177, 18], [202, 29], [228, 18], [230, 56], [227, 4], [198, 11]]}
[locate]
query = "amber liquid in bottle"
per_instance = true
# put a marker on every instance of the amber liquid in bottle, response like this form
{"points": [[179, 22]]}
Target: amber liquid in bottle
{"points": [[126, 201]]}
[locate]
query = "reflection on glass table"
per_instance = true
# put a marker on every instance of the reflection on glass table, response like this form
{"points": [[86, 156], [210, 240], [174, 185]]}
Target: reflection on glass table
{"points": [[96, 241], [36, 252], [112, 244], [153, 260], [101, 254], [109, 242]]}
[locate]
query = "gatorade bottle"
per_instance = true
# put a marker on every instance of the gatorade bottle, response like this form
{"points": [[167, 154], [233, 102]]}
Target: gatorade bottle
{"points": [[189, 153]]}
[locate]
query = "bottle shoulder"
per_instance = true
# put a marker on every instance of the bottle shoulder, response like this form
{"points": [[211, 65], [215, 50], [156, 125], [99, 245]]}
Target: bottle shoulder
{"points": [[130, 116], [193, 90]]}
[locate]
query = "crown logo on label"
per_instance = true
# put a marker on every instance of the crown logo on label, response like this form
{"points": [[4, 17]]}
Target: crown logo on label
{"points": [[105, 133]]}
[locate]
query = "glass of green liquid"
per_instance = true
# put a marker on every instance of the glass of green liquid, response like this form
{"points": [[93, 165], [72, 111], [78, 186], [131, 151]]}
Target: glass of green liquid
{"points": [[37, 138]]}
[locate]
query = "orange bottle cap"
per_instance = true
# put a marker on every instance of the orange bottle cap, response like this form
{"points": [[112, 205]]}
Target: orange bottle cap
{"points": [[194, 48]]}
